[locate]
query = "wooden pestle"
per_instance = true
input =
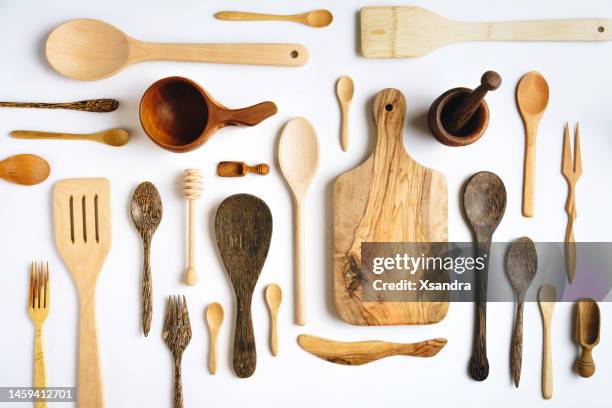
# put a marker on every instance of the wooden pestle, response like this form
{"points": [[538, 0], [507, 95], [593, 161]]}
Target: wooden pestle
{"points": [[470, 103]]}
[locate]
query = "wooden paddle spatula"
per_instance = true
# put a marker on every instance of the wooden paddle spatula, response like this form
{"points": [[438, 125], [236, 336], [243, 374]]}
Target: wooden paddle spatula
{"points": [[395, 32], [243, 227], [81, 213]]}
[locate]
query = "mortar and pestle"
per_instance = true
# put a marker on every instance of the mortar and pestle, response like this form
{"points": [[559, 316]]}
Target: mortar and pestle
{"points": [[460, 116]]}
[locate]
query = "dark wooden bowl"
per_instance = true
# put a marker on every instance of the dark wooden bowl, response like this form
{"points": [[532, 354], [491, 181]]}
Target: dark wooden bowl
{"points": [[471, 132], [180, 116]]}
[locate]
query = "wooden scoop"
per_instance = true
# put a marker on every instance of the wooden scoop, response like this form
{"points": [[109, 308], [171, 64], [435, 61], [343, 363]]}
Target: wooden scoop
{"points": [[588, 322], [392, 32], [89, 49], [314, 18], [111, 137], [24, 169], [243, 227], [363, 352], [240, 169]]}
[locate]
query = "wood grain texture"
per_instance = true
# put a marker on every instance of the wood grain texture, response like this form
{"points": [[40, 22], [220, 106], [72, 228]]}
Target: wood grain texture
{"points": [[90, 105], [177, 335], [571, 168], [243, 227], [388, 198], [406, 31], [240, 169], [546, 298], [588, 323], [363, 352], [82, 220]]}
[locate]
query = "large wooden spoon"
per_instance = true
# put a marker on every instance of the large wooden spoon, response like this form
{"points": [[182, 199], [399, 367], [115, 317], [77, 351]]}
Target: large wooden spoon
{"points": [[298, 156], [111, 137], [546, 297], [24, 169], [89, 49], [484, 202], [532, 98], [521, 266], [314, 18]]}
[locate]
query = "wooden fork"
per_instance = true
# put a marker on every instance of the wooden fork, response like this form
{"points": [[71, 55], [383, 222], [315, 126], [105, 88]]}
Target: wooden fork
{"points": [[38, 309], [177, 334], [571, 170]]}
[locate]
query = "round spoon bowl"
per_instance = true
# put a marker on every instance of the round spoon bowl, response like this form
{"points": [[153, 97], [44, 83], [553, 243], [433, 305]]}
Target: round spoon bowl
{"points": [[484, 201], [25, 169], [298, 155], [345, 89], [521, 264], [214, 315], [532, 94], [116, 137], [319, 18], [274, 296]]}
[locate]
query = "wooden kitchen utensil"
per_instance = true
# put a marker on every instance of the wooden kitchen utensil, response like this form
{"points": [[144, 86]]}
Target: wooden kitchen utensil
{"points": [[314, 18], [147, 210], [214, 319], [395, 31], [91, 105], [192, 187], [179, 115], [81, 212], [588, 322], [460, 116], [388, 198], [111, 137], [521, 266], [240, 169], [547, 295], [532, 95], [177, 335], [274, 297], [298, 157], [89, 49], [571, 170], [345, 89], [243, 227], [39, 303], [484, 203], [363, 352], [24, 169]]}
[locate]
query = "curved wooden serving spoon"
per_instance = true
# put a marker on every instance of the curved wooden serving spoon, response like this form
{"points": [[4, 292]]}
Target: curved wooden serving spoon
{"points": [[315, 18], [24, 169], [111, 137]]}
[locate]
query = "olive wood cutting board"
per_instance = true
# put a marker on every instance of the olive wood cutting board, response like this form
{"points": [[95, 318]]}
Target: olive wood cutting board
{"points": [[388, 198]]}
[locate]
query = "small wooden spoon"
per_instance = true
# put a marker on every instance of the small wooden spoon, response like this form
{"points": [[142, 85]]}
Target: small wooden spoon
{"points": [[345, 89], [315, 18], [532, 98], [298, 156], [111, 137], [547, 296], [214, 319], [274, 297], [24, 169], [521, 266], [484, 202], [588, 322]]}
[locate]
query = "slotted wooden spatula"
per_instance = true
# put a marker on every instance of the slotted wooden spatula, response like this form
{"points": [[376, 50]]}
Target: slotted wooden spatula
{"points": [[395, 32], [81, 212]]}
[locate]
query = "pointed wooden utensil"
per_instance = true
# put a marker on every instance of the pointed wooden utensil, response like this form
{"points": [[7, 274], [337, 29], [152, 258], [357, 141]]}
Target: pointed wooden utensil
{"points": [[571, 170]]}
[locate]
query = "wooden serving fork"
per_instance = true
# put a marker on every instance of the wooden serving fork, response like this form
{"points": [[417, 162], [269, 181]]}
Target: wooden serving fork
{"points": [[81, 210], [177, 334], [38, 309], [572, 170]]}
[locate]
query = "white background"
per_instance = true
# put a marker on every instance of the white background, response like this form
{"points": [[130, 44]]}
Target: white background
{"points": [[137, 371]]}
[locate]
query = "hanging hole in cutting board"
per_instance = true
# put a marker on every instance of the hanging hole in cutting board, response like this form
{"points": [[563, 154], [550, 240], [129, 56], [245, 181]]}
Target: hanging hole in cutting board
{"points": [[389, 107], [294, 54], [601, 29]]}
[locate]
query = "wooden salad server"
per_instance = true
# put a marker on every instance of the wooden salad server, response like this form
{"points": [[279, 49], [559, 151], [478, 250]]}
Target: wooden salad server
{"points": [[571, 170]]}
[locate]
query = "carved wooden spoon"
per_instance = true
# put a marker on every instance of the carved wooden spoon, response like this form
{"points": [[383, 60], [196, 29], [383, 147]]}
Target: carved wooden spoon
{"points": [[214, 319], [521, 266], [315, 18], [111, 137], [345, 90], [90, 105], [274, 297], [24, 169]]}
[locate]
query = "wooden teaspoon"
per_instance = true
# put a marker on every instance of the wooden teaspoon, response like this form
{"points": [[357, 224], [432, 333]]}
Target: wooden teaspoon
{"points": [[532, 95], [112, 137], [547, 296], [214, 319], [147, 210], [91, 105], [24, 169], [315, 18], [274, 297], [484, 202], [345, 89], [521, 266]]}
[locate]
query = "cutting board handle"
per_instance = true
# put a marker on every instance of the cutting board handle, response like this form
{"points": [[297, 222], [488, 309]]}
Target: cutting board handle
{"points": [[245, 356], [389, 110]]}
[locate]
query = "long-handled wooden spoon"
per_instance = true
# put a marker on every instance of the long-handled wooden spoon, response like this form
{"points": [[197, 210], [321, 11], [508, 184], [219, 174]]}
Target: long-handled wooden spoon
{"points": [[314, 18], [345, 89], [112, 137], [274, 297], [532, 95], [91, 105], [521, 266], [214, 319], [89, 49], [24, 169], [298, 156], [547, 296]]}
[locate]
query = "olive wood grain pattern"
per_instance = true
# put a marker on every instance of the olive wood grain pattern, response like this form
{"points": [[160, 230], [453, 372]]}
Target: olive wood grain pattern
{"points": [[90, 105], [571, 170], [588, 323], [388, 198]]}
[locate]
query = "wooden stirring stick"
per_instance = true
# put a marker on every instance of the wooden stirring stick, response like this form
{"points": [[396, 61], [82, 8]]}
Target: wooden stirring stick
{"points": [[571, 170]]}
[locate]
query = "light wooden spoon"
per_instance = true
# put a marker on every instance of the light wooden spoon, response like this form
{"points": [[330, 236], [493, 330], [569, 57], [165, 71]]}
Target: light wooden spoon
{"points": [[345, 89], [532, 98], [112, 137], [274, 297], [546, 297], [214, 319], [298, 156], [315, 18], [24, 169], [89, 49]]}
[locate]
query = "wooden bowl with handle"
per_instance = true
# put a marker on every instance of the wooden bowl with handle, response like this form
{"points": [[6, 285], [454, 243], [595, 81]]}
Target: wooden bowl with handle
{"points": [[180, 116]]}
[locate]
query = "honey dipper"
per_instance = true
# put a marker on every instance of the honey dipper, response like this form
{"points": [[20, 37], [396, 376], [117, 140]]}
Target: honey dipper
{"points": [[192, 187]]}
